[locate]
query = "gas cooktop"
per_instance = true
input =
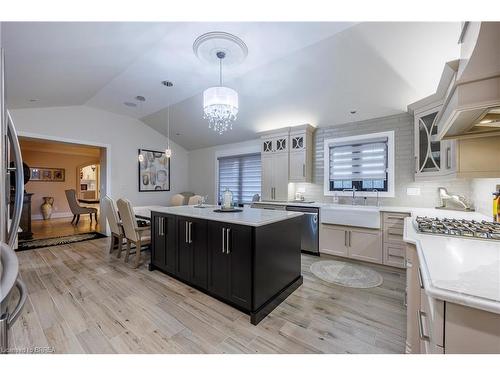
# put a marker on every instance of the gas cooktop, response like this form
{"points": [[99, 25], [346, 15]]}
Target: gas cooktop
{"points": [[459, 227]]}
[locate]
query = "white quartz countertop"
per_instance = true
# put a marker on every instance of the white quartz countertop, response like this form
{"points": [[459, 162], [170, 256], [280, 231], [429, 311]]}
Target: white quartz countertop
{"points": [[459, 270], [254, 217], [289, 203]]}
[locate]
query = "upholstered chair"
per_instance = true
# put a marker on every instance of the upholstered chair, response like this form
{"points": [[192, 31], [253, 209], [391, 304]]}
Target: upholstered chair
{"points": [[195, 199], [115, 225], [177, 200], [140, 236], [78, 210]]}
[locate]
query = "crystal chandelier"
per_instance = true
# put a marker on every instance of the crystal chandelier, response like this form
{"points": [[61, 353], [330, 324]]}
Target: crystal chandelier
{"points": [[220, 104]]}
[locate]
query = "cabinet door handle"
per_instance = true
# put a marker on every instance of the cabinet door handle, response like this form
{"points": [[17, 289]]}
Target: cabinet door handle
{"points": [[223, 239], [419, 274], [158, 221], [228, 250], [186, 232], [345, 238], [448, 157], [421, 333], [349, 238], [406, 298], [162, 226], [303, 170], [395, 218], [190, 226]]}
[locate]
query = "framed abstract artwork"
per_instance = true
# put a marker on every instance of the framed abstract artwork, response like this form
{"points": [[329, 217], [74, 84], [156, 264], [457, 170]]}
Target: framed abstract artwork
{"points": [[47, 174], [154, 171]]}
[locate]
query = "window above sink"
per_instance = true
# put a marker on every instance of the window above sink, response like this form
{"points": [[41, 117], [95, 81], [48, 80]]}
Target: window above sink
{"points": [[363, 162]]}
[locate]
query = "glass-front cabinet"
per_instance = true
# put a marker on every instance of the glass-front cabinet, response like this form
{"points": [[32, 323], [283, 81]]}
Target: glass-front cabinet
{"points": [[433, 158], [277, 143]]}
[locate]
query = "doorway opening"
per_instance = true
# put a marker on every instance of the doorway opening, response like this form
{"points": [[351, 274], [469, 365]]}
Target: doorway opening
{"points": [[64, 178]]}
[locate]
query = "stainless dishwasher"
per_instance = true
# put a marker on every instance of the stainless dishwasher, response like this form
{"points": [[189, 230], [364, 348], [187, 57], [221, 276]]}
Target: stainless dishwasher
{"points": [[310, 228]]}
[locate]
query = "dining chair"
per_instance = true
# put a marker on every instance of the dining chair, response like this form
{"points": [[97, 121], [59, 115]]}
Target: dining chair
{"points": [[177, 200], [115, 224], [140, 236], [195, 199], [78, 210]]}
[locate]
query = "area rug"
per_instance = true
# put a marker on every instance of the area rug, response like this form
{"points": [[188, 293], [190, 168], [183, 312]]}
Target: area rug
{"points": [[346, 274], [54, 241]]}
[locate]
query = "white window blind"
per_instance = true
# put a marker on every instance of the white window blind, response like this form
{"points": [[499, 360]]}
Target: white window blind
{"points": [[365, 160], [240, 174]]}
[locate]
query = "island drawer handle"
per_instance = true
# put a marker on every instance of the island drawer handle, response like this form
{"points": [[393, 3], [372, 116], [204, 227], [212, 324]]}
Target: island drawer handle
{"points": [[421, 327], [223, 239], [228, 230]]}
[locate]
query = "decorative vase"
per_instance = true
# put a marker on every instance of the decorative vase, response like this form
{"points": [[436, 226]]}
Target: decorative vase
{"points": [[47, 207]]}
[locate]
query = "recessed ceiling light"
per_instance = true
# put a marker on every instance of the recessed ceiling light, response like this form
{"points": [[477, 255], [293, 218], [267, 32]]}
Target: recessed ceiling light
{"points": [[353, 112], [33, 100], [130, 104], [177, 133], [167, 83], [140, 98]]}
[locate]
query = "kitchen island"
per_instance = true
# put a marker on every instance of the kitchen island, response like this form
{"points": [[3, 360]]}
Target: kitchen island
{"points": [[249, 259]]}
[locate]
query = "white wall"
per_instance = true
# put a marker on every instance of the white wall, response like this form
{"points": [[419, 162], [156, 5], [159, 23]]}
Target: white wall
{"points": [[203, 166], [123, 134], [482, 189], [203, 174], [402, 125]]}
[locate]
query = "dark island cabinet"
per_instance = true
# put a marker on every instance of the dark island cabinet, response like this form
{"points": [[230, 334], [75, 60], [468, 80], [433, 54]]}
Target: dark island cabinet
{"points": [[193, 257], [164, 253], [251, 268], [230, 262]]}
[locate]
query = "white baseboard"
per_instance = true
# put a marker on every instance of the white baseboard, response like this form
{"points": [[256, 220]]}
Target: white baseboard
{"points": [[55, 215]]}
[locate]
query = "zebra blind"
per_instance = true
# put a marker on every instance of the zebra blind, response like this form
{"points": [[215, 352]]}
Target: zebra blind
{"points": [[359, 162], [240, 174]]}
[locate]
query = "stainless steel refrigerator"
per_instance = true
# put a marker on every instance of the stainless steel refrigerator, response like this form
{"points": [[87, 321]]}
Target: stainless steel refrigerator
{"points": [[12, 289]]}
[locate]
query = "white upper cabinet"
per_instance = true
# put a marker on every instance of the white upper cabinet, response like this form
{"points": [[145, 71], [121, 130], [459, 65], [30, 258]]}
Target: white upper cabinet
{"points": [[286, 157], [301, 144], [275, 143], [433, 158]]}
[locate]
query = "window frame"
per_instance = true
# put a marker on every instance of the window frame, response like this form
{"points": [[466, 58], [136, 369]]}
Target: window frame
{"points": [[354, 139], [236, 151]]}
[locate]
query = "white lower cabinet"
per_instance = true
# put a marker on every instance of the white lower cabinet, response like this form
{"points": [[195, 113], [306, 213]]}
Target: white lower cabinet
{"points": [[365, 244], [333, 240], [440, 327], [357, 243]]}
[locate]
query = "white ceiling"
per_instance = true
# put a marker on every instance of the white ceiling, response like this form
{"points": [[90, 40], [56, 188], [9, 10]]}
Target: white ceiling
{"points": [[294, 73]]}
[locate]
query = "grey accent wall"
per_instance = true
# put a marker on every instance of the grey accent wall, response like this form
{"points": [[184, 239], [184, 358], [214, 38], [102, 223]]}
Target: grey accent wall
{"points": [[402, 124]]}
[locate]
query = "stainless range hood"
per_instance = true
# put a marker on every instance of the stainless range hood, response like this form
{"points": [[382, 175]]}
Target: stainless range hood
{"points": [[471, 105]]}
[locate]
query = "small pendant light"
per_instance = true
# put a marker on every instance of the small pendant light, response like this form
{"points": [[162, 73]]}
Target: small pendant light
{"points": [[168, 150]]}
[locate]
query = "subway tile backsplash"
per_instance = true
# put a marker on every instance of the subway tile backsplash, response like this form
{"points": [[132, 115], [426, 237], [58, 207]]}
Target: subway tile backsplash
{"points": [[403, 126]]}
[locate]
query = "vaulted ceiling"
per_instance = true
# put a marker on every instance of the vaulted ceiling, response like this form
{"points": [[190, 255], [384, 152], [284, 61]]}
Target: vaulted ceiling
{"points": [[295, 73]]}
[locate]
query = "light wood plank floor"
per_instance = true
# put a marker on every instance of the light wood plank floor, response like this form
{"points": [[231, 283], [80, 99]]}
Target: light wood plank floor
{"points": [[83, 300], [62, 227]]}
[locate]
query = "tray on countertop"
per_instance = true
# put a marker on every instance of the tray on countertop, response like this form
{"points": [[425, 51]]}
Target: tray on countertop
{"points": [[230, 210]]}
